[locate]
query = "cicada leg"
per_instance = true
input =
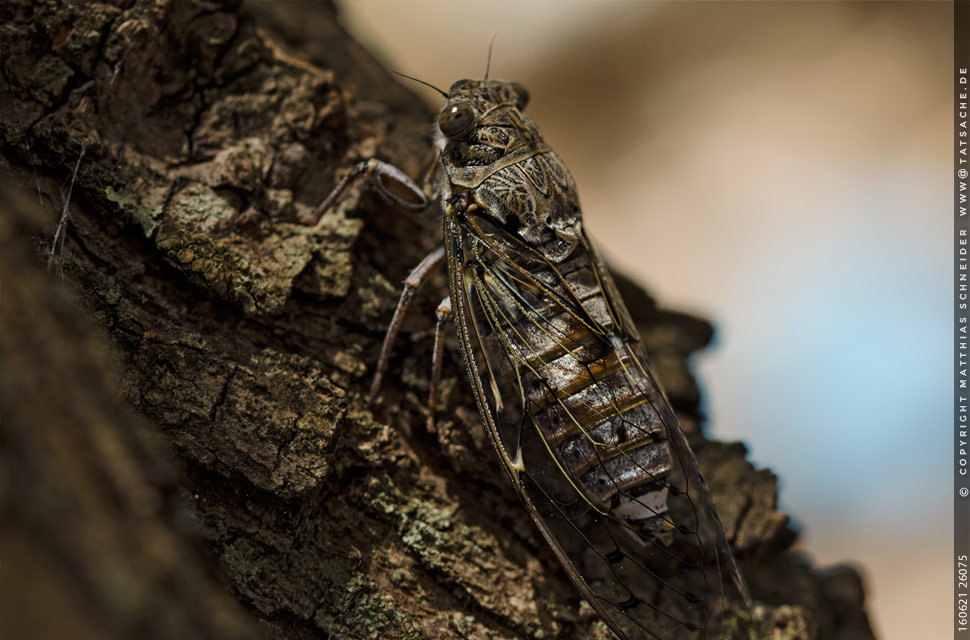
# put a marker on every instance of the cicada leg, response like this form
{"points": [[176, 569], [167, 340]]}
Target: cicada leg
{"points": [[400, 189], [442, 316], [390, 181], [418, 276]]}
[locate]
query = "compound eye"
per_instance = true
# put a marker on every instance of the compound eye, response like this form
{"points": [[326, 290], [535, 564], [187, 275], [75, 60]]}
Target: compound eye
{"points": [[456, 119], [520, 93]]}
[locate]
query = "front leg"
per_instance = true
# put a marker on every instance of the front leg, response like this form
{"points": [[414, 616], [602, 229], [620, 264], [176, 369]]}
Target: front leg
{"points": [[391, 182]]}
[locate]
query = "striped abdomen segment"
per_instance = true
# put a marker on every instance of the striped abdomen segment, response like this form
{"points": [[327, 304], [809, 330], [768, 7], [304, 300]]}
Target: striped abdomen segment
{"points": [[588, 398]]}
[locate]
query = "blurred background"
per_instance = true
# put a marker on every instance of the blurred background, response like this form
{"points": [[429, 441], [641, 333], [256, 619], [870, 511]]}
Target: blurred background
{"points": [[782, 169]]}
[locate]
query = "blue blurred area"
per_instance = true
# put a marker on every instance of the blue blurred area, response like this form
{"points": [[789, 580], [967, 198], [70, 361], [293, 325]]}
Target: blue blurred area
{"points": [[847, 370], [858, 360]]}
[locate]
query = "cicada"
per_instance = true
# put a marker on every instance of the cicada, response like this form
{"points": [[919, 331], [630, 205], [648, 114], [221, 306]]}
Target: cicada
{"points": [[561, 378]]}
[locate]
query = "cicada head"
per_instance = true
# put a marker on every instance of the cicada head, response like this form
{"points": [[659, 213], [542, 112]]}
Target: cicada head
{"points": [[473, 109], [490, 147]]}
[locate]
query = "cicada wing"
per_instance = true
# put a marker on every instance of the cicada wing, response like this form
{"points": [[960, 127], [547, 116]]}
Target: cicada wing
{"points": [[686, 460], [584, 431]]}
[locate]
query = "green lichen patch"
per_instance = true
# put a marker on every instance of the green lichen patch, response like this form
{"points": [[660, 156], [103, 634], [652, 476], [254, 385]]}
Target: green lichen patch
{"points": [[367, 613], [199, 207], [256, 274], [465, 558], [143, 204], [786, 622], [76, 31], [255, 268]]}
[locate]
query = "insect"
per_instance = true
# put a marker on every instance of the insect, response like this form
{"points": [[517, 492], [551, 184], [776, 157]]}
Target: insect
{"points": [[561, 378]]}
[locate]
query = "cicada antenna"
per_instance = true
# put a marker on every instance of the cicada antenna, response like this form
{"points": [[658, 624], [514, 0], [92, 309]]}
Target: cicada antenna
{"points": [[427, 84], [488, 62]]}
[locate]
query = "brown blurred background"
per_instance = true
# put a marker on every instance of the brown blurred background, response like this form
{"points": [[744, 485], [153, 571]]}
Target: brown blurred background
{"points": [[783, 169]]}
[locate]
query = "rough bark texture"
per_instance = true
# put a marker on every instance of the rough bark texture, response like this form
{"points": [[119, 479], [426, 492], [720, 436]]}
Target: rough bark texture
{"points": [[252, 492]]}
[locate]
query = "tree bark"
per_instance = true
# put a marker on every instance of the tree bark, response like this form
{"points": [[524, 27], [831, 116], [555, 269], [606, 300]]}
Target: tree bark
{"points": [[248, 489]]}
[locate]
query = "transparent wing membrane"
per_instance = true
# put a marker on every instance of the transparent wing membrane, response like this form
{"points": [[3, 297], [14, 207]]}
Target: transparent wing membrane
{"points": [[585, 431]]}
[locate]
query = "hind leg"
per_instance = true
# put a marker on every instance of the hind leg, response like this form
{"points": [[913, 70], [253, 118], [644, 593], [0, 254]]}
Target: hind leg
{"points": [[442, 316]]}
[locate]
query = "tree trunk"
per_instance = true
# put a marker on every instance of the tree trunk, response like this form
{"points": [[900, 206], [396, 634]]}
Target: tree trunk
{"points": [[252, 491]]}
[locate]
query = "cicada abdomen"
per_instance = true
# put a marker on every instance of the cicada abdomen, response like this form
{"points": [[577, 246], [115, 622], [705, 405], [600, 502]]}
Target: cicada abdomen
{"points": [[562, 380]]}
